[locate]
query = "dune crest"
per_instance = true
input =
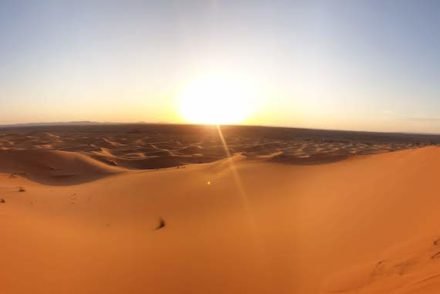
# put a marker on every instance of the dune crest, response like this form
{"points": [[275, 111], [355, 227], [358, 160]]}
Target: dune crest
{"points": [[54, 167]]}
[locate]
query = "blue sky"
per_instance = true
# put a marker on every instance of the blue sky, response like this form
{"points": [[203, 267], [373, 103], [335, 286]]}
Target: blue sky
{"points": [[367, 65]]}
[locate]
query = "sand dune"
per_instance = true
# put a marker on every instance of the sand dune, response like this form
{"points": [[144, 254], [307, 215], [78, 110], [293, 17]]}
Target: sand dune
{"points": [[366, 224], [162, 146], [53, 167]]}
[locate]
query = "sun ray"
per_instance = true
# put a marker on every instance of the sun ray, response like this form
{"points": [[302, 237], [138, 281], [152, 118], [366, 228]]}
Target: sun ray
{"points": [[244, 199]]}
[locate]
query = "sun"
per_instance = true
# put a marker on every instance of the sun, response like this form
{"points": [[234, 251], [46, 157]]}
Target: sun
{"points": [[216, 100]]}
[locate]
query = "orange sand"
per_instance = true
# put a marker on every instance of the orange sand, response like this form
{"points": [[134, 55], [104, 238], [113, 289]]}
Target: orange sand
{"points": [[368, 224]]}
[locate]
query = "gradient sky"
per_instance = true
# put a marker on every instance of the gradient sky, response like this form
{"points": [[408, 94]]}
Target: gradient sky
{"points": [[367, 65]]}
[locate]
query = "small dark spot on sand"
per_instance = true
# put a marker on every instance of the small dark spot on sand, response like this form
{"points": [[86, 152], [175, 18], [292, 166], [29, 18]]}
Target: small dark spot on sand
{"points": [[113, 163], [161, 224], [2, 200], [21, 189]]}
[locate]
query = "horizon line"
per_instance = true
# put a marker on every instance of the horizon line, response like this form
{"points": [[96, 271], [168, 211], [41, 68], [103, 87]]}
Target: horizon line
{"points": [[90, 122]]}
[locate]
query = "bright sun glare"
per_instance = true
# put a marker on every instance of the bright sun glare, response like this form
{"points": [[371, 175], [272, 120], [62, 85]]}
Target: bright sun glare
{"points": [[216, 100]]}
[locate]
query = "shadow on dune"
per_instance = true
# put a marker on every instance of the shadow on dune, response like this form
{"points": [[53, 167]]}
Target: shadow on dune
{"points": [[54, 167], [310, 160], [156, 162]]}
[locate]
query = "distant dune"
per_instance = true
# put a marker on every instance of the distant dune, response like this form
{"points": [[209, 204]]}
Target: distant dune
{"points": [[149, 146], [248, 224], [54, 167]]}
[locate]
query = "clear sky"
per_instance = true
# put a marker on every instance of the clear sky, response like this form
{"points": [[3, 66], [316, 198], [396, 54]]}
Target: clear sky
{"points": [[353, 64]]}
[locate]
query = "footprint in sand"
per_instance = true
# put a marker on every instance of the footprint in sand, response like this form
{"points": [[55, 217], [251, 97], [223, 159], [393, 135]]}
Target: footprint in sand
{"points": [[435, 256]]}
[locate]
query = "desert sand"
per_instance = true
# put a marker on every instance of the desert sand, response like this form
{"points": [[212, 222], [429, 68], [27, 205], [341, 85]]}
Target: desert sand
{"points": [[90, 211]]}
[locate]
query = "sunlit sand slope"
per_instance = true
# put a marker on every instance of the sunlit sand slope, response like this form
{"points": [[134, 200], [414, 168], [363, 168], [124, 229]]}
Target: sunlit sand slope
{"points": [[368, 224]]}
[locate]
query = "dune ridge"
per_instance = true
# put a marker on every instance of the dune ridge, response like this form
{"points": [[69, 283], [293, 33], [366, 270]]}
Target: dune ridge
{"points": [[143, 146], [54, 167]]}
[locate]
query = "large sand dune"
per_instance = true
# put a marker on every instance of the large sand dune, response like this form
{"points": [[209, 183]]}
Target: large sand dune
{"points": [[54, 167], [365, 224]]}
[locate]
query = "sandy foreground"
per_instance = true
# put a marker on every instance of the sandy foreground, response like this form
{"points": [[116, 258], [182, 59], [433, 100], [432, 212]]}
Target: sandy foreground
{"points": [[367, 224]]}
